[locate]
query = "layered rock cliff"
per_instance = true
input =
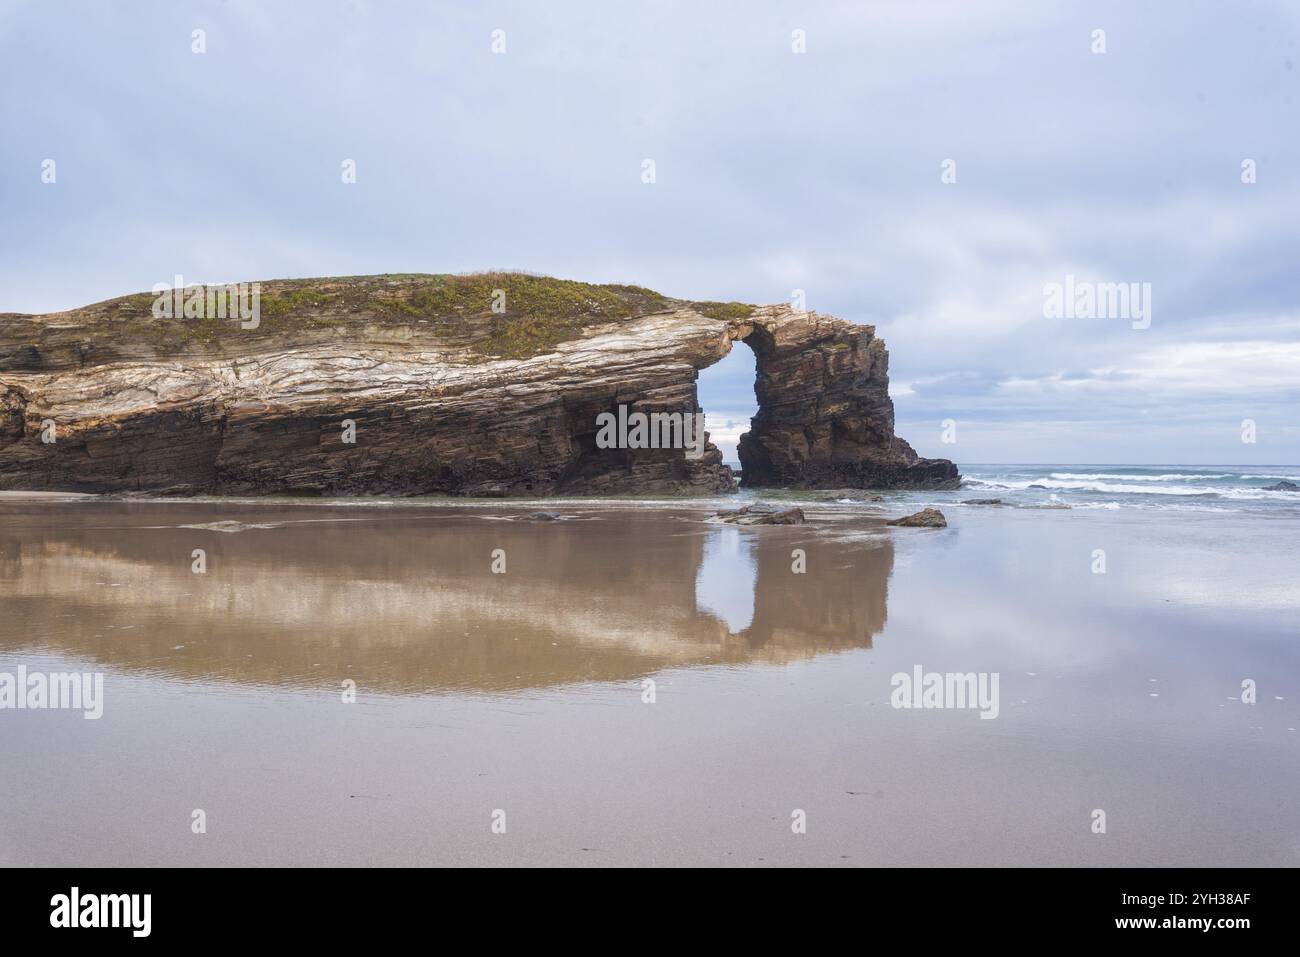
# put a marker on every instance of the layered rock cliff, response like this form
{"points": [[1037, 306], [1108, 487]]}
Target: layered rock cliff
{"points": [[472, 385]]}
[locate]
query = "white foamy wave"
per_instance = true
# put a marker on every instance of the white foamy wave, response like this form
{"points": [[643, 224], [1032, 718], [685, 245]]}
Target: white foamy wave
{"points": [[1211, 488], [1117, 488], [1258, 493], [1109, 476]]}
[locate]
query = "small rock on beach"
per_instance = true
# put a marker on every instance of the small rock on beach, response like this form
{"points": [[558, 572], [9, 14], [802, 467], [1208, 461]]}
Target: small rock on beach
{"points": [[926, 518], [761, 513]]}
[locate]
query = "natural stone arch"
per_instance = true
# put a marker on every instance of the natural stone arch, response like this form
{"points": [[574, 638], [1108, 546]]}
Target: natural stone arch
{"points": [[825, 418], [448, 404]]}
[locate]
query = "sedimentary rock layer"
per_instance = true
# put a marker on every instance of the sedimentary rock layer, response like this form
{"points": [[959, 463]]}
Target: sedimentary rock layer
{"points": [[413, 384], [825, 419]]}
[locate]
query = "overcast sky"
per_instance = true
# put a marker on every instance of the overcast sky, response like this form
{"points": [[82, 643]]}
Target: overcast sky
{"points": [[775, 171]]}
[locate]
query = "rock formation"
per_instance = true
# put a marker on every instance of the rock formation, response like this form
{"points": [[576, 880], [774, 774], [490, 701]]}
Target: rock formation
{"points": [[926, 518], [825, 419], [761, 513], [488, 385]]}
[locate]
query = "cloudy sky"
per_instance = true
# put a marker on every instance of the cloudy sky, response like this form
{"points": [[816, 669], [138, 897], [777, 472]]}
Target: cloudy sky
{"points": [[775, 171]]}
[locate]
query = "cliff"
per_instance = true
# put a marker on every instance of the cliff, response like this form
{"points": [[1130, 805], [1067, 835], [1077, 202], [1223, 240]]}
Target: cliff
{"points": [[488, 384]]}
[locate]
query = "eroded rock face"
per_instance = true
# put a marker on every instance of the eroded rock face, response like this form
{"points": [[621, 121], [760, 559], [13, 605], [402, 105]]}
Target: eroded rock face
{"points": [[135, 403], [825, 418]]}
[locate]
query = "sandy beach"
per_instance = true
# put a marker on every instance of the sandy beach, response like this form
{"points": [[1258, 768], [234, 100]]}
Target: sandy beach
{"points": [[641, 686]]}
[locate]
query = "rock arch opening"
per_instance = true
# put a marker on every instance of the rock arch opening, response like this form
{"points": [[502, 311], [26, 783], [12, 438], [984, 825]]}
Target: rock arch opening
{"points": [[726, 392]]}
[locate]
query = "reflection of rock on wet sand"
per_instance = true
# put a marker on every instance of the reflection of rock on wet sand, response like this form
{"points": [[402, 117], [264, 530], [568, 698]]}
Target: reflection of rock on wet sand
{"points": [[728, 572], [746, 580], [403, 599]]}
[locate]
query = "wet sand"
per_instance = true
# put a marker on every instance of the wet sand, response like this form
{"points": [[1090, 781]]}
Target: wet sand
{"points": [[523, 691]]}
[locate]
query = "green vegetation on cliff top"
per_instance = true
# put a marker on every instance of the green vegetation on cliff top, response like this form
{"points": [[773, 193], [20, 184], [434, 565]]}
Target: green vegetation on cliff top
{"points": [[502, 314]]}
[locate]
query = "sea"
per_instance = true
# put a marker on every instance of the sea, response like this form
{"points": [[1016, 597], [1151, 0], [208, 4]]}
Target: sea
{"points": [[1183, 488]]}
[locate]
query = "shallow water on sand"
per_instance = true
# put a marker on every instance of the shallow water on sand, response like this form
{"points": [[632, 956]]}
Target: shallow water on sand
{"points": [[524, 691]]}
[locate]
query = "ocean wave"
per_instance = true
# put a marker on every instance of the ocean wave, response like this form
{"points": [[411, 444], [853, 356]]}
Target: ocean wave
{"points": [[1215, 505], [1109, 476], [1115, 488]]}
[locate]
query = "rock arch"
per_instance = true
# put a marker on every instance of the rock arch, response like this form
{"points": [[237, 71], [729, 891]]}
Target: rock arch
{"points": [[825, 418], [152, 405]]}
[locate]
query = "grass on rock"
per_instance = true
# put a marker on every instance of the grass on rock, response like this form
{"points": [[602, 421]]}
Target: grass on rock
{"points": [[532, 313]]}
